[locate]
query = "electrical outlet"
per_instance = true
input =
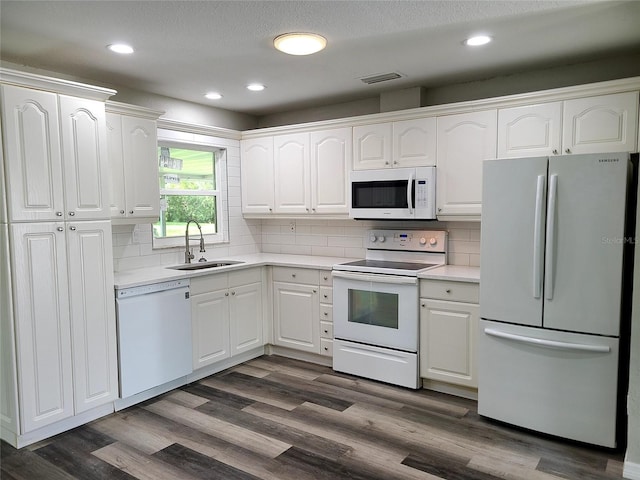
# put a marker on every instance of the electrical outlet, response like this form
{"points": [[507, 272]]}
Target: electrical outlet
{"points": [[292, 227]]}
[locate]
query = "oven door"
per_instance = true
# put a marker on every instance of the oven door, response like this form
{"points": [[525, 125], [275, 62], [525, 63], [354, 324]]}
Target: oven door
{"points": [[380, 310]]}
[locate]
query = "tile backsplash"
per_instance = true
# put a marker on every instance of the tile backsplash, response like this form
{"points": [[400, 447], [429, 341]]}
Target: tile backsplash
{"points": [[132, 245]]}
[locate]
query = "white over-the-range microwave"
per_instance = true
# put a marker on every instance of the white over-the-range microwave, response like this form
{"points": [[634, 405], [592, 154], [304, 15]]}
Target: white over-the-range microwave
{"points": [[394, 194]]}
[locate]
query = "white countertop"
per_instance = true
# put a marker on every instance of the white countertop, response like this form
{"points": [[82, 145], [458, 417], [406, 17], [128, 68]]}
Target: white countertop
{"points": [[144, 276], [455, 273]]}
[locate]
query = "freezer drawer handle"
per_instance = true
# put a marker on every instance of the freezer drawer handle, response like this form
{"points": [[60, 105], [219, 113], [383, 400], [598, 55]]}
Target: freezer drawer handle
{"points": [[540, 342]]}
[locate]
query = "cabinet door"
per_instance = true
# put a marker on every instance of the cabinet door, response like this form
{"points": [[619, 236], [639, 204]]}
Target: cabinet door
{"points": [[93, 321], [41, 309], [210, 327], [245, 314], [607, 123], [414, 142], [116, 165], [530, 131], [464, 141], [256, 161], [140, 150], [448, 336], [296, 317], [331, 153], [372, 146], [84, 153], [32, 149], [291, 173]]}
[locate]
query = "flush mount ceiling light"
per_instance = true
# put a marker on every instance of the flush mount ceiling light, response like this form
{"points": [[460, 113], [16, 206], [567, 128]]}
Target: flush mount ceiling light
{"points": [[121, 48], [255, 87], [477, 40], [213, 96], [300, 43]]}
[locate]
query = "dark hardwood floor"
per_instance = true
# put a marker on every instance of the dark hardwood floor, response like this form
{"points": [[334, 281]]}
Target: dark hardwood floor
{"points": [[281, 419]]}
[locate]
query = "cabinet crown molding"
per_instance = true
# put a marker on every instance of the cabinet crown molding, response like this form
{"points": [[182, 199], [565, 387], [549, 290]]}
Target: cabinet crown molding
{"points": [[199, 129], [56, 85], [132, 110]]}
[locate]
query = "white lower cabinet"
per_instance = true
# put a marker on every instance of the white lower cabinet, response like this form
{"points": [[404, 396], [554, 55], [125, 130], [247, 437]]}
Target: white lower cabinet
{"points": [[226, 315], [448, 332], [64, 313], [296, 309]]}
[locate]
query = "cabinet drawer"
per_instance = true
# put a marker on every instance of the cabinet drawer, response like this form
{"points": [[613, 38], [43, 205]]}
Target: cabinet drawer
{"points": [[296, 275], [326, 313], [326, 347], [325, 278], [446, 290], [245, 277], [326, 295], [326, 330], [208, 283]]}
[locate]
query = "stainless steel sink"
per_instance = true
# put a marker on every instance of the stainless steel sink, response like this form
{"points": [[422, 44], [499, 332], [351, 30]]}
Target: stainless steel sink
{"points": [[203, 265]]}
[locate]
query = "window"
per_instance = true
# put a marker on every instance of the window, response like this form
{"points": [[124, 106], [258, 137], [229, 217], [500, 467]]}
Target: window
{"points": [[191, 179]]}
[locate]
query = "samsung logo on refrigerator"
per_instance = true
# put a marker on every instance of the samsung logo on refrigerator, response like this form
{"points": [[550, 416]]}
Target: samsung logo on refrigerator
{"points": [[608, 160]]}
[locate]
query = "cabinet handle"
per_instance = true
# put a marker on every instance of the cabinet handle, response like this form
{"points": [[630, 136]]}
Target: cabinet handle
{"points": [[439, 209], [58, 214], [326, 296], [326, 331], [395, 162], [568, 150], [121, 212], [326, 349], [315, 291], [130, 212], [422, 305], [270, 209], [72, 214], [386, 163], [60, 229], [555, 151], [326, 314], [307, 209], [72, 228], [325, 277], [448, 290], [233, 293], [293, 275], [226, 294]]}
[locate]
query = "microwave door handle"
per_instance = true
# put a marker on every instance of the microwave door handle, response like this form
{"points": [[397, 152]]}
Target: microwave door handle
{"points": [[409, 188]]}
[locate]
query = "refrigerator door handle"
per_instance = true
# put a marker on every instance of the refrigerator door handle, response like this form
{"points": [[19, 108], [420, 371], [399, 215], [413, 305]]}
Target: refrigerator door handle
{"points": [[538, 237], [409, 188], [551, 236], [541, 342]]}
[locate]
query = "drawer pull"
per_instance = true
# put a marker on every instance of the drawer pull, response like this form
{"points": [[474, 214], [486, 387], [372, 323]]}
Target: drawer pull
{"points": [[326, 331], [293, 275], [326, 314], [448, 290], [326, 296], [326, 349]]}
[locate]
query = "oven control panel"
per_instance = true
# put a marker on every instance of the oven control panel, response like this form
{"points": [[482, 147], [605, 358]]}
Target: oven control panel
{"points": [[407, 240]]}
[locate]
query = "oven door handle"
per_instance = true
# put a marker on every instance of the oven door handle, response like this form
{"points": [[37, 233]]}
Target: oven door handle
{"points": [[372, 278]]}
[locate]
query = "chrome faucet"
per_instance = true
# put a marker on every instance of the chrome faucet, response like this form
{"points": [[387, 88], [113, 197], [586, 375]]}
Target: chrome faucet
{"points": [[187, 254]]}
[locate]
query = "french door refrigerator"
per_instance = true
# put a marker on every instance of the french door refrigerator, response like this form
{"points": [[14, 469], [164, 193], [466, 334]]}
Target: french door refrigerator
{"points": [[554, 291]]}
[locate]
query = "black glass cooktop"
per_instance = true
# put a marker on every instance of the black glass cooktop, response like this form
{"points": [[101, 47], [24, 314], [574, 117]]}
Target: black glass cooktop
{"points": [[390, 265]]}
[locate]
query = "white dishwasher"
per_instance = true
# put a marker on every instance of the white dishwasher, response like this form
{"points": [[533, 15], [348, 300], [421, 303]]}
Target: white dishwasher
{"points": [[154, 335]]}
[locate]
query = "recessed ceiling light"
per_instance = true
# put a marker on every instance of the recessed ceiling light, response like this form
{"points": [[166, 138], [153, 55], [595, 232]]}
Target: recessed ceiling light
{"points": [[300, 43], [213, 96], [477, 40], [255, 87], [122, 48]]}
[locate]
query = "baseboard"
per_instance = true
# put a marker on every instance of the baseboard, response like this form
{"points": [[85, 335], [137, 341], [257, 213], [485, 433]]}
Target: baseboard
{"points": [[457, 390], [299, 355], [631, 470]]}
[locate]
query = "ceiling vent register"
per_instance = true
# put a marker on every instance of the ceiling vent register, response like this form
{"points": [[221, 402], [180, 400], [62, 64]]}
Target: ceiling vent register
{"points": [[383, 77]]}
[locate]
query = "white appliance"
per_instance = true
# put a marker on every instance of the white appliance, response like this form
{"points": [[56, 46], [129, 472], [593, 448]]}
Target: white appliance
{"points": [[394, 193], [154, 335], [553, 293], [375, 305]]}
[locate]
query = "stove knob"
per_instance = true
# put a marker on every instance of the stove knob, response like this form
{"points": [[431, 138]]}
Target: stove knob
{"points": [[373, 238], [433, 241], [381, 239], [423, 241]]}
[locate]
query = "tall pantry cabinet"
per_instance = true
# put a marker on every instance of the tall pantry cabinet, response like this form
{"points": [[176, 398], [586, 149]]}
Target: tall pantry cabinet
{"points": [[59, 357]]}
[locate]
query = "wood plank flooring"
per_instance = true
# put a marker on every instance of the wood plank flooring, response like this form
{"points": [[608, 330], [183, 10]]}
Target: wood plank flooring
{"points": [[281, 419]]}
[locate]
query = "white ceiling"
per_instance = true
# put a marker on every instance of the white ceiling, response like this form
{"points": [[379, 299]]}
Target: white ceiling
{"points": [[186, 48]]}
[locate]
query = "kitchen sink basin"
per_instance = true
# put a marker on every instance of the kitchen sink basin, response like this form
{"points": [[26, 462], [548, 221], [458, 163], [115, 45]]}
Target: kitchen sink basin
{"points": [[204, 265]]}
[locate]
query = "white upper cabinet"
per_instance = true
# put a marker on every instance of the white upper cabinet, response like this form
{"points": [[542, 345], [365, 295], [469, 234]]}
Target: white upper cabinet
{"points": [[32, 154], [605, 123], [292, 173], [256, 161], [529, 131], [331, 152], [372, 146], [84, 152], [133, 160], [56, 156], [464, 141], [407, 143]]}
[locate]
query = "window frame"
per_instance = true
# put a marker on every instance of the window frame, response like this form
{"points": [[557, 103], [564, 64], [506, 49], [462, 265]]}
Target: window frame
{"points": [[168, 138]]}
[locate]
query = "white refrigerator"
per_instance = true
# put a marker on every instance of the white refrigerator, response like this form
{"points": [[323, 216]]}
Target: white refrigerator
{"points": [[554, 293]]}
